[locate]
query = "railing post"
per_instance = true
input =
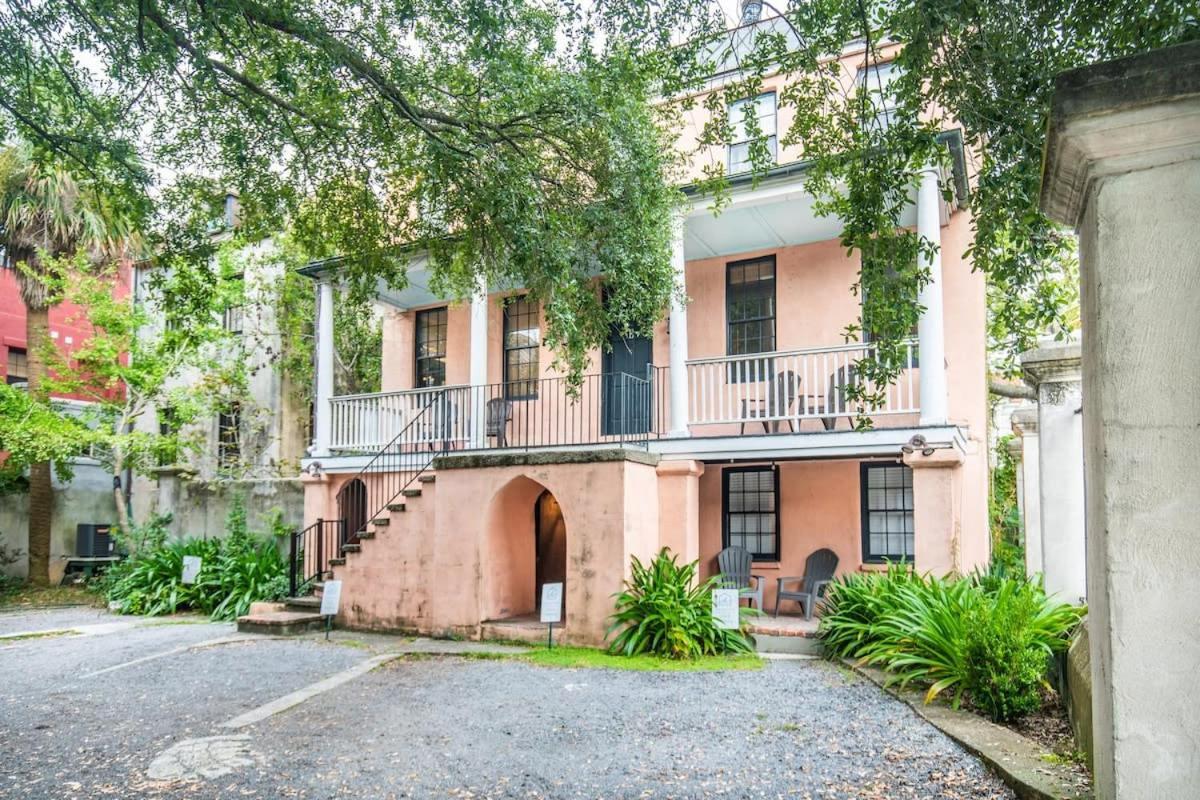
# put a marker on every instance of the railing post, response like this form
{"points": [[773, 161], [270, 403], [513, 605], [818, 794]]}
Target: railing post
{"points": [[292, 562], [320, 565]]}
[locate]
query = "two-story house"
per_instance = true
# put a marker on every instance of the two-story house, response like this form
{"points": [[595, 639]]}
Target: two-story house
{"points": [[444, 502]]}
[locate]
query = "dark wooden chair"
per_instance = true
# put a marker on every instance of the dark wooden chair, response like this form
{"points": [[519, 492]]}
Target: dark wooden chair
{"points": [[836, 402], [781, 394], [810, 587], [499, 414], [735, 563]]}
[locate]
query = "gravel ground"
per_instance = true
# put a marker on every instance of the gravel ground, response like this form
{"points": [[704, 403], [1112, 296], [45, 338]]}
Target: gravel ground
{"points": [[450, 727]]}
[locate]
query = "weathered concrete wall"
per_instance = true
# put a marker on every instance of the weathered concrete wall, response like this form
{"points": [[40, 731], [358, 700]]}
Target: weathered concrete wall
{"points": [[200, 508], [87, 498], [1079, 690]]}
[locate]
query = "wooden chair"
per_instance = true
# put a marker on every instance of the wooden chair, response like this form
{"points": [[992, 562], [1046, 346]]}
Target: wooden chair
{"points": [[818, 574], [735, 563], [499, 414], [836, 402], [781, 394]]}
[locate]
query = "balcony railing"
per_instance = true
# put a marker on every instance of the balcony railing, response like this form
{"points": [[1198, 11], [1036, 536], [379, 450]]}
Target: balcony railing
{"points": [[614, 408], [791, 386]]}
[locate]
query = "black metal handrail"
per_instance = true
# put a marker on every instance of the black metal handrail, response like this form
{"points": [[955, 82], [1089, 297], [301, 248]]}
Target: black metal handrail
{"points": [[310, 551]]}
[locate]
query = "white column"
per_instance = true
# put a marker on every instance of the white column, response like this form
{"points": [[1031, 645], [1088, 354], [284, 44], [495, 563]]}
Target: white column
{"points": [[678, 346], [931, 336], [323, 425], [479, 363], [1025, 424]]}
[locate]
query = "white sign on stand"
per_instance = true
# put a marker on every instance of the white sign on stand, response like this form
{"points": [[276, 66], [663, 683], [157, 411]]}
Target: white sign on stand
{"points": [[331, 597], [725, 608], [552, 602], [191, 569]]}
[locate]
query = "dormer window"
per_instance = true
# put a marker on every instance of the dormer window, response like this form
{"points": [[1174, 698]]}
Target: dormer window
{"points": [[762, 108]]}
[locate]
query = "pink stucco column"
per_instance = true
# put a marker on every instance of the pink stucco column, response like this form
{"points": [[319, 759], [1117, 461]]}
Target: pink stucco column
{"points": [[679, 507], [937, 511]]}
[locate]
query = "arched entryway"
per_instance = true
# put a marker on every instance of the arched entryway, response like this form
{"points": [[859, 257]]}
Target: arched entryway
{"points": [[352, 507], [525, 547]]}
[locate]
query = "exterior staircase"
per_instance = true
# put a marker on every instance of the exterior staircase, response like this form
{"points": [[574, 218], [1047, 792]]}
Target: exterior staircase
{"points": [[292, 616]]}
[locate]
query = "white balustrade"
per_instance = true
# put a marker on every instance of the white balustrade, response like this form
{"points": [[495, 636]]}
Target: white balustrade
{"points": [[368, 422]]}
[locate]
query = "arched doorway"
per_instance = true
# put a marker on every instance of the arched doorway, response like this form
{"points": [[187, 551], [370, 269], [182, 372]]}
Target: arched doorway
{"points": [[525, 546], [352, 506]]}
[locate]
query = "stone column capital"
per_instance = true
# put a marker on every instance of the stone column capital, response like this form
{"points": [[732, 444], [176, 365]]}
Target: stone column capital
{"points": [[1052, 362]]}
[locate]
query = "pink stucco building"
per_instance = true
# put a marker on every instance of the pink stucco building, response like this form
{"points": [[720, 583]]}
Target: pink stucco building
{"points": [[445, 501]]}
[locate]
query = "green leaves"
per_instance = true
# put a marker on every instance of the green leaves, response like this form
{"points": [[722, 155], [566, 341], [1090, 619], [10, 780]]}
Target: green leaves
{"points": [[665, 611]]}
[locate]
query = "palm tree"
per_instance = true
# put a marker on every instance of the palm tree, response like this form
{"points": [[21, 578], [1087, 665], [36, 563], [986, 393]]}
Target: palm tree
{"points": [[46, 213]]}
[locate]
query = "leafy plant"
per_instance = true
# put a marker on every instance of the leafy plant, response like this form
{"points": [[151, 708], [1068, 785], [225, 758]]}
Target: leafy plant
{"points": [[987, 637], [664, 610]]}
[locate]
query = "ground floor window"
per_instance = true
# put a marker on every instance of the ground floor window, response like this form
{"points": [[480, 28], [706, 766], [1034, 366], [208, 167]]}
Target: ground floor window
{"points": [[751, 510], [887, 512]]}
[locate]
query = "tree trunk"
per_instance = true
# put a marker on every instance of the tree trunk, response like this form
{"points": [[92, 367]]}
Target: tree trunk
{"points": [[41, 489]]}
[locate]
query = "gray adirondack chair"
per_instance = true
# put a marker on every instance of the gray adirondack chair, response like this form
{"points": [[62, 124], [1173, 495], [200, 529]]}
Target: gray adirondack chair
{"points": [[781, 394], [734, 563], [499, 413], [818, 574]]}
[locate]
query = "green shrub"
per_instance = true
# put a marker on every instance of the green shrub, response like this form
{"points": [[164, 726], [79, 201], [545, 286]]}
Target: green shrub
{"points": [[664, 610], [150, 582], [988, 636]]}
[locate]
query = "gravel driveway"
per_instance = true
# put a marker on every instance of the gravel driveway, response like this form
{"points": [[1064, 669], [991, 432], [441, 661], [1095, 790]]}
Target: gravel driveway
{"points": [[452, 727]]}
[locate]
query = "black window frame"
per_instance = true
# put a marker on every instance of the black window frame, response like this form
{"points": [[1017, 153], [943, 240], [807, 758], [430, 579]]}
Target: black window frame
{"points": [[421, 329], [725, 512], [868, 554], [770, 139], [521, 388], [9, 378], [229, 449], [740, 373]]}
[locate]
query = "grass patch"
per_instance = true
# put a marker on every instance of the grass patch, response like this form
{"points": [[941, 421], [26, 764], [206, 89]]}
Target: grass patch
{"points": [[590, 658], [17, 596]]}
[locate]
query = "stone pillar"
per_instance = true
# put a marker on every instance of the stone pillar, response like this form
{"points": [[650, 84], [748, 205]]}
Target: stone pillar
{"points": [[323, 424], [1014, 446], [937, 510], [1025, 424], [1123, 168], [931, 335], [1053, 372], [478, 360], [679, 507], [678, 345]]}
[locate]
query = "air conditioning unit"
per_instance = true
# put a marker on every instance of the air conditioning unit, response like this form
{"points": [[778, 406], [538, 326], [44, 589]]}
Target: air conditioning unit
{"points": [[93, 541]]}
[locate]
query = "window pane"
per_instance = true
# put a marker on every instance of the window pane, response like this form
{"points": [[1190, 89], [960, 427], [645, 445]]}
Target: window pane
{"points": [[522, 340], [751, 518], [888, 524]]}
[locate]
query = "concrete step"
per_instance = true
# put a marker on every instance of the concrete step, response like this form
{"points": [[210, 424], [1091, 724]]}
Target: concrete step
{"points": [[351, 548], [395, 506], [519, 631], [337, 562], [368, 534], [302, 603], [381, 521], [279, 623], [411, 493], [427, 478]]}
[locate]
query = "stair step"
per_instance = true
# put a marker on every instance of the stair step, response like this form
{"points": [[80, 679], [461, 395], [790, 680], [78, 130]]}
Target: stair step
{"points": [[366, 535], [351, 548], [337, 562], [411, 493], [395, 506], [303, 603], [427, 478], [279, 622], [380, 522]]}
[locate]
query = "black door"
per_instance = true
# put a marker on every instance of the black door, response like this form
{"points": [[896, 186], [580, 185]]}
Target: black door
{"points": [[625, 403]]}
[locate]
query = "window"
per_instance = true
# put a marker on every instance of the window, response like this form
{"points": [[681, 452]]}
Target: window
{"points": [[878, 79], [229, 423], [431, 347], [168, 426], [233, 319], [17, 370], [763, 110], [751, 510], [750, 315], [887, 512], [522, 340]]}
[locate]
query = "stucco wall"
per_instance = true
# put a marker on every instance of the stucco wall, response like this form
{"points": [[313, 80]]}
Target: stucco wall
{"points": [[200, 508]]}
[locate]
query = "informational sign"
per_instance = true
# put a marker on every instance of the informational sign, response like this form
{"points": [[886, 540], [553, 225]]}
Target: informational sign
{"points": [[330, 598], [191, 569], [552, 602], [725, 608]]}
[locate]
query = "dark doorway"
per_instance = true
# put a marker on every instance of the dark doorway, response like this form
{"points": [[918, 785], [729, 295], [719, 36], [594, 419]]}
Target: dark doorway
{"points": [[625, 392], [352, 504], [551, 545]]}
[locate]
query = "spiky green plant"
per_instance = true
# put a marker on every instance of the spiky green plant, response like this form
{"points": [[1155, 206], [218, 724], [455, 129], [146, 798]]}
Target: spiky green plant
{"points": [[665, 610]]}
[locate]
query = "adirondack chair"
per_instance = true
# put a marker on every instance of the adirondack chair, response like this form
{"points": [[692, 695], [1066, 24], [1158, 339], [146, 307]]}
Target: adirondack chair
{"points": [[836, 402], [818, 574], [499, 413], [734, 563], [781, 394]]}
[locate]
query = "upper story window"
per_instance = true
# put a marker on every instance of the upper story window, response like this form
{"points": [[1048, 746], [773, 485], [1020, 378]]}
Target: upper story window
{"points": [[887, 512], [751, 506], [17, 370], [877, 79], [522, 344], [750, 306], [431, 347], [229, 436], [762, 109], [233, 319]]}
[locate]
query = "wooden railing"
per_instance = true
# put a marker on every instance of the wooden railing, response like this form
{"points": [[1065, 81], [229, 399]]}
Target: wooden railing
{"points": [[364, 423], [792, 385]]}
